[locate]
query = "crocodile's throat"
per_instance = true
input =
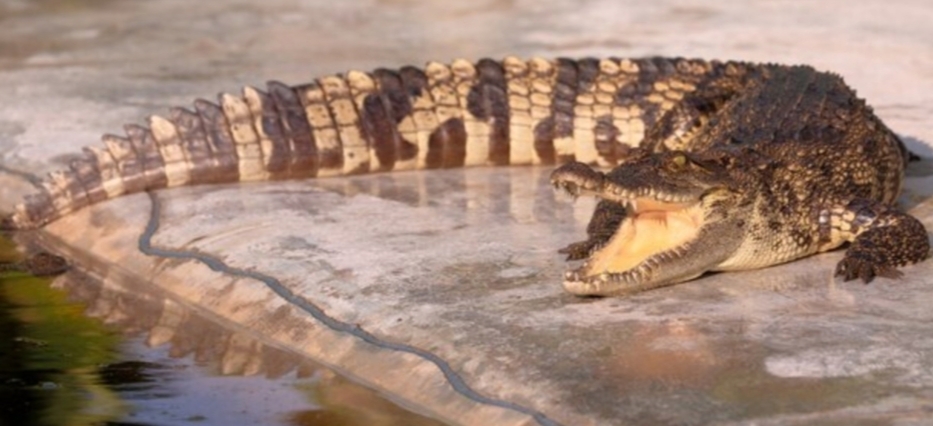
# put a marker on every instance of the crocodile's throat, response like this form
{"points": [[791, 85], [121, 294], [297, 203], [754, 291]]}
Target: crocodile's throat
{"points": [[652, 234]]}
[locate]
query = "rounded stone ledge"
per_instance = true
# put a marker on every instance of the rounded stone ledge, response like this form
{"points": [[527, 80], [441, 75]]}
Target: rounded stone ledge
{"points": [[102, 241]]}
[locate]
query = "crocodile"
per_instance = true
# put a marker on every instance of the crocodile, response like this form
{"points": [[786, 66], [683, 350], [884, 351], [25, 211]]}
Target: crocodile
{"points": [[698, 165]]}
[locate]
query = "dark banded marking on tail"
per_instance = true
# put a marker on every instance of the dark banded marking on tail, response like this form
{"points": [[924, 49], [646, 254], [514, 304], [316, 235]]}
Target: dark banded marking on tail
{"points": [[488, 102], [220, 141], [323, 130], [462, 78], [450, 136], [398, 109], [187, 128], [421, 121], [380, 133], [85, 172], [568, 79], [536, 111], [301, 149], [147, 155], [268, 128]]}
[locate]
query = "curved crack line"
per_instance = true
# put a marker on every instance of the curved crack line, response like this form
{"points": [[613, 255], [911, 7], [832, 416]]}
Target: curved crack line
{"points": [[217, 265]]}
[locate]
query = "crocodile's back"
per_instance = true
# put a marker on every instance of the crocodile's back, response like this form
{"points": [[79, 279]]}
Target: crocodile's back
{"points": [[812, 132]]}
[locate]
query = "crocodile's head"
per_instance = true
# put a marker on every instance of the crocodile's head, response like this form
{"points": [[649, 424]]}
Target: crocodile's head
{"points": [[664, 218]]}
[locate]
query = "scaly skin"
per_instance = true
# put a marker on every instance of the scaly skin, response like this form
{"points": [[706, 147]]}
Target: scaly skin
{"points": [[783, 163], [723, 165]]}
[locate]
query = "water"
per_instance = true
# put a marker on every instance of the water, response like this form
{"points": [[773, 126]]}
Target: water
{"points": [[76, 352]]}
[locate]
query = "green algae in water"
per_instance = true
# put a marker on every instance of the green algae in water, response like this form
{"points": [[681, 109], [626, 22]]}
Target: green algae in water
{"points": [[50, 353], [59, 366]]}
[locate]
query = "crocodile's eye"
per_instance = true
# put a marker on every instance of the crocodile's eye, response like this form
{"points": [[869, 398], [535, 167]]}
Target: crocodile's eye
{"points": [[678, 161]]}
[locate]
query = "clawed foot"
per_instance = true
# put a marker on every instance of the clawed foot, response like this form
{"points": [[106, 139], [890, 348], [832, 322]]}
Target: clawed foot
{"points": [[859, 265], [888, 240], [578, 250]]}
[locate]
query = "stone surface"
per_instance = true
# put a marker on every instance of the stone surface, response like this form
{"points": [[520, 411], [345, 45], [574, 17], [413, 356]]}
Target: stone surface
{"points": [[442, 289]]}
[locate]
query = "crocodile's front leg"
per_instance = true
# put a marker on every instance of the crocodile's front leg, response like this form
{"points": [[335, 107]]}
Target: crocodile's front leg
{"points": [[882, 238]]}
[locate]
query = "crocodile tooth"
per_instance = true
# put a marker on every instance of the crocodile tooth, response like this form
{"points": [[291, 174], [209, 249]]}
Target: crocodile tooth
{"points": [[637, 273], [644, 271]]}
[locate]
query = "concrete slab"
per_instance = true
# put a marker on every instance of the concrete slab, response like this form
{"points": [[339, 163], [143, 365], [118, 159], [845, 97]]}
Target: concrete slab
{"points": [[442, 288]]}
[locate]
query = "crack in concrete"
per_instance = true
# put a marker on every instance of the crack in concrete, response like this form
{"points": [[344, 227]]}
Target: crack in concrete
{"points": [[457, 382]]}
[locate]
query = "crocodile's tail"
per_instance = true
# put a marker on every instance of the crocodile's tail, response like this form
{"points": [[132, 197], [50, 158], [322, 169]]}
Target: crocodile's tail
{"points": [[462, 114]]}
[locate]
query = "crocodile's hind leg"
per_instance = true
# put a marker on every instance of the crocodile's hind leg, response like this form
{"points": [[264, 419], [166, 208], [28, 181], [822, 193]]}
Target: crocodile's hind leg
{"points": [[882, 238]]}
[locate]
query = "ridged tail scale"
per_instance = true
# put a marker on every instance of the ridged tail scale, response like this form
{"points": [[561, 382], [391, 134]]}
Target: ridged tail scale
{"points": [[509, 112]]}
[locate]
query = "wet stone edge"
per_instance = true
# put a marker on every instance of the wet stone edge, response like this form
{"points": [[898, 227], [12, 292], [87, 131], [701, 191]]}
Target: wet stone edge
{"points": [[458, 383]]}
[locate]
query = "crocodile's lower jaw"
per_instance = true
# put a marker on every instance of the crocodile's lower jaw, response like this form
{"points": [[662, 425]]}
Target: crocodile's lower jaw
{"points": [[645, 243]]}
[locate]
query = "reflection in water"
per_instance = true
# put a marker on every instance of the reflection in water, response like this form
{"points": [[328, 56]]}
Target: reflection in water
{"points": [[49, 352], [153, 361]]}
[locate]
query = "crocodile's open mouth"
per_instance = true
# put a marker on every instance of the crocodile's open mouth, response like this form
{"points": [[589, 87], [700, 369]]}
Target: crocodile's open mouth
{"points": [[646, 232], [653, 233], [663, 218]]}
